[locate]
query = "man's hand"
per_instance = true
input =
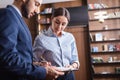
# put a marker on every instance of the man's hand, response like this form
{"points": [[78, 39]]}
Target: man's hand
{"points": [[53, 73], [42, 63]]}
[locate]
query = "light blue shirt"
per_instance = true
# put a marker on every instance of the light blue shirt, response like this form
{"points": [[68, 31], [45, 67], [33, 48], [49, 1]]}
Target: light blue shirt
{"points": [[60, 51]]}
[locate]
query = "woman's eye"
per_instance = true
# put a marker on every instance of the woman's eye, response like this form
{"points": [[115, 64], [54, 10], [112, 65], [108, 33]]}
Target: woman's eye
{"points": [[63, 24], [37, 4], [57, 22]]}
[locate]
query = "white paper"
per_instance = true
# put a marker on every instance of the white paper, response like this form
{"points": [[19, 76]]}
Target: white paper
{"points": [[66, 69]]}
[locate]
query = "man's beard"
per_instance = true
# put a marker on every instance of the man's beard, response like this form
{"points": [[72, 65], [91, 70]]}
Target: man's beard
{"points": [[24, 10]]}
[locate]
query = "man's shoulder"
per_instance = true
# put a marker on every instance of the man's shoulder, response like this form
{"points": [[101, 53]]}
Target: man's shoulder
{"points": [[4, 11]]}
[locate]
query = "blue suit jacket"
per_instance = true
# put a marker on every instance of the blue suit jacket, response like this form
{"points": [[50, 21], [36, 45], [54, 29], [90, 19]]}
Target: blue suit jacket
{"points": [[16, 49]]}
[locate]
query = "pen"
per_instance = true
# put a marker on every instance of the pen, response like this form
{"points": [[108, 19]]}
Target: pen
{"points": [[42, 59]]}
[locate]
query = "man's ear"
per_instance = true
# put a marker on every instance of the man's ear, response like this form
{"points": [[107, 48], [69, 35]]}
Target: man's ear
{"points": [[51, 17]]}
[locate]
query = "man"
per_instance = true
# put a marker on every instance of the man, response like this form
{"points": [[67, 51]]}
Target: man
{"points": [[16, 45]]}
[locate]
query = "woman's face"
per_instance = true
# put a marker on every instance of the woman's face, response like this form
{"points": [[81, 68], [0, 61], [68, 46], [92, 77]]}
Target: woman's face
{"points": [[59, 23]]}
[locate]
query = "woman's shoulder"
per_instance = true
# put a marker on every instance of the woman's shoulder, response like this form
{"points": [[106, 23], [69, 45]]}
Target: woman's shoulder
{"points": [[68, 34], [42, 35]]}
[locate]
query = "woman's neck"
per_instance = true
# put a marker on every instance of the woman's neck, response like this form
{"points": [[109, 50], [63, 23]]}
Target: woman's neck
{"points": [[58, 34]]}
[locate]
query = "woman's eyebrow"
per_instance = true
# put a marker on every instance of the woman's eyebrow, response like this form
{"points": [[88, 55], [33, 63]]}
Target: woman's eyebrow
{"points": [[57, 20]]}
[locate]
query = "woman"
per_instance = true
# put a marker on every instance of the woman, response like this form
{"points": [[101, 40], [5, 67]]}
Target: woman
{"points": [[57, 46]]}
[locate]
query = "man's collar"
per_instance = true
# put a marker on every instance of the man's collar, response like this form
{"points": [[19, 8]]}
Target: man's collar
{"points": [[17, 10]]}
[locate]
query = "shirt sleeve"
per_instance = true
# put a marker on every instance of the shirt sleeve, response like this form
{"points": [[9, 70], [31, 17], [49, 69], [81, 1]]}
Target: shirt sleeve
{"points": [[74, 52], [38, 49]]}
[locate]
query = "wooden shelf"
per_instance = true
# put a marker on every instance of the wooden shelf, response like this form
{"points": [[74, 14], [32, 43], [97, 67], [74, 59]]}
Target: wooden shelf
{"points": [[105, 19], [110, 37], [118, 29], [108, 75], [106, 41], [106, 52], [104, 8], [45, 14], [106, 63]]}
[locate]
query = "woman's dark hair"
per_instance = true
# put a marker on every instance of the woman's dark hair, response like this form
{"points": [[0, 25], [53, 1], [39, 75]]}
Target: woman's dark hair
{"points": [[61, 12]]}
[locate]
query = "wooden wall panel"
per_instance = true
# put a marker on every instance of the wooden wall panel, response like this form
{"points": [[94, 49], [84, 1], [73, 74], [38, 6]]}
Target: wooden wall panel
{"points": [[68, 4], [80, 34]]}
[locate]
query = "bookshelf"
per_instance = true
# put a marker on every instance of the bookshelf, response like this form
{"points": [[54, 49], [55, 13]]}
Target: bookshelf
{"points": [[104, 39]]}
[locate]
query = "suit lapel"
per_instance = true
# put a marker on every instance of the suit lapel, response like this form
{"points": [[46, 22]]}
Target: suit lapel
{"points": [[21, 21]]}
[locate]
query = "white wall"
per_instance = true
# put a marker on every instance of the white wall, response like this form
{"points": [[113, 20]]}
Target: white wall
{"points": [[4, 3], [54, 1]]}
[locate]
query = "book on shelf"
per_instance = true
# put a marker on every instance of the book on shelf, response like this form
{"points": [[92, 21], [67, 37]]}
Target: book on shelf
{"points": [[91, 37], [97, 60], [98, 37], [117, 69], [97, 6], [105, 72], [111, 47], [105, 47], [93, 69], [117, 47], [95, 49]]}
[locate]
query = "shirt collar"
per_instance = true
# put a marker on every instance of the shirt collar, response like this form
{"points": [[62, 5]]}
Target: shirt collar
{"points": [[17, 9], [49, 32]]}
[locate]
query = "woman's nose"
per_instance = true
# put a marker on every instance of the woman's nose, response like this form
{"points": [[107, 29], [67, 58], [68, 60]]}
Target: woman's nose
{"points": [[59, 26]]}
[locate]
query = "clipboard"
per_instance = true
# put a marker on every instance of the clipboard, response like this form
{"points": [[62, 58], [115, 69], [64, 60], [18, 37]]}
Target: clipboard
{"points": [[67, 69]]}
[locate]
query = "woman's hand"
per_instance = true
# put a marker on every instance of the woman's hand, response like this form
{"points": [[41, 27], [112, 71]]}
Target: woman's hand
{"points": [[74, 65]]}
